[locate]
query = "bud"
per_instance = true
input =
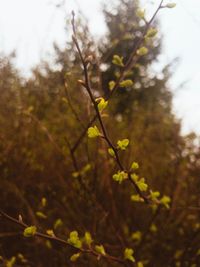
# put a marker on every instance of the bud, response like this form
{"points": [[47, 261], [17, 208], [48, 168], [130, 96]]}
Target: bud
{"points": [[171, 5], [20, 218]]}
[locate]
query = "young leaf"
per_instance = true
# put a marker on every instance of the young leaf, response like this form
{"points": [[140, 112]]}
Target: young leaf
{"points": [[151, 33], [142, 51], [111, 152], [117, 60], [44, 202], [111, 85], [11, 262], [142, 185], [30, 231], [137, 198], [140, 13], [102, 104], [122, 144], [137, 236], [41, 215], [100, 249], [154, 195], [128, 254], [165, 200], [134, 166], [74, 239], [58, 223], [74, 257], [93, 132], [120, 176], [50, 232], [88, 238], [126, 83]]}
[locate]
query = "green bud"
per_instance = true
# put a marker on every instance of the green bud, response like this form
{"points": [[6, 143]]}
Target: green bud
{"points": [[128, 254], [122, 144], [117, 60], [135, 166], [111, 85], [102, 104], [140, 13], [111, 152], [126, 83], [74, 257], [41, 215], [88, 238], [100, 249], [58, 223], [74, 239], [151, 33], [93, 132], [120, 176], [142, 51], [30, 231]]}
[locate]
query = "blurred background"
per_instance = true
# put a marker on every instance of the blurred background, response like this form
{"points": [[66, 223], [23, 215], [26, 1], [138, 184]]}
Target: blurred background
{"points": [[55, 176]]}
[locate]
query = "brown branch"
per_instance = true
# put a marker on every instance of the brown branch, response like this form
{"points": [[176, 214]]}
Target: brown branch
{"points": [[87, 85], [130, 62], [54, 238]]}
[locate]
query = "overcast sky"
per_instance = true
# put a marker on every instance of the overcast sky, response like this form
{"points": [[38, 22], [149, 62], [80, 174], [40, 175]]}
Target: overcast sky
{"points": [[31, 26]]}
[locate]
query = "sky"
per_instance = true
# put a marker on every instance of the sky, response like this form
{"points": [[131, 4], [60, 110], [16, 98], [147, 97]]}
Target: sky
{"points": [[31, 26]]}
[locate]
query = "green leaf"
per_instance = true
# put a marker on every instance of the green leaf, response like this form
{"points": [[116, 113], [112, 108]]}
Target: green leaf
{"points": [[142, 51], [117, 60], [134, 166], [41, 215], [128, 254], [140, 13], [93, 132], [58, 223], [142, 185], [74, 239], [165, 200], [136, 236], [88, 238], [100, 249], [140, 182], [151, 33], [122, 144], [134, 177], [111, 152], [126, 83], [86, 169], [50, 232], [44, 202], [11, 262], [102, 104], [137, 198], [74, 257], [30, 231], [120, 176], [154, 195], [111, 85]]}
